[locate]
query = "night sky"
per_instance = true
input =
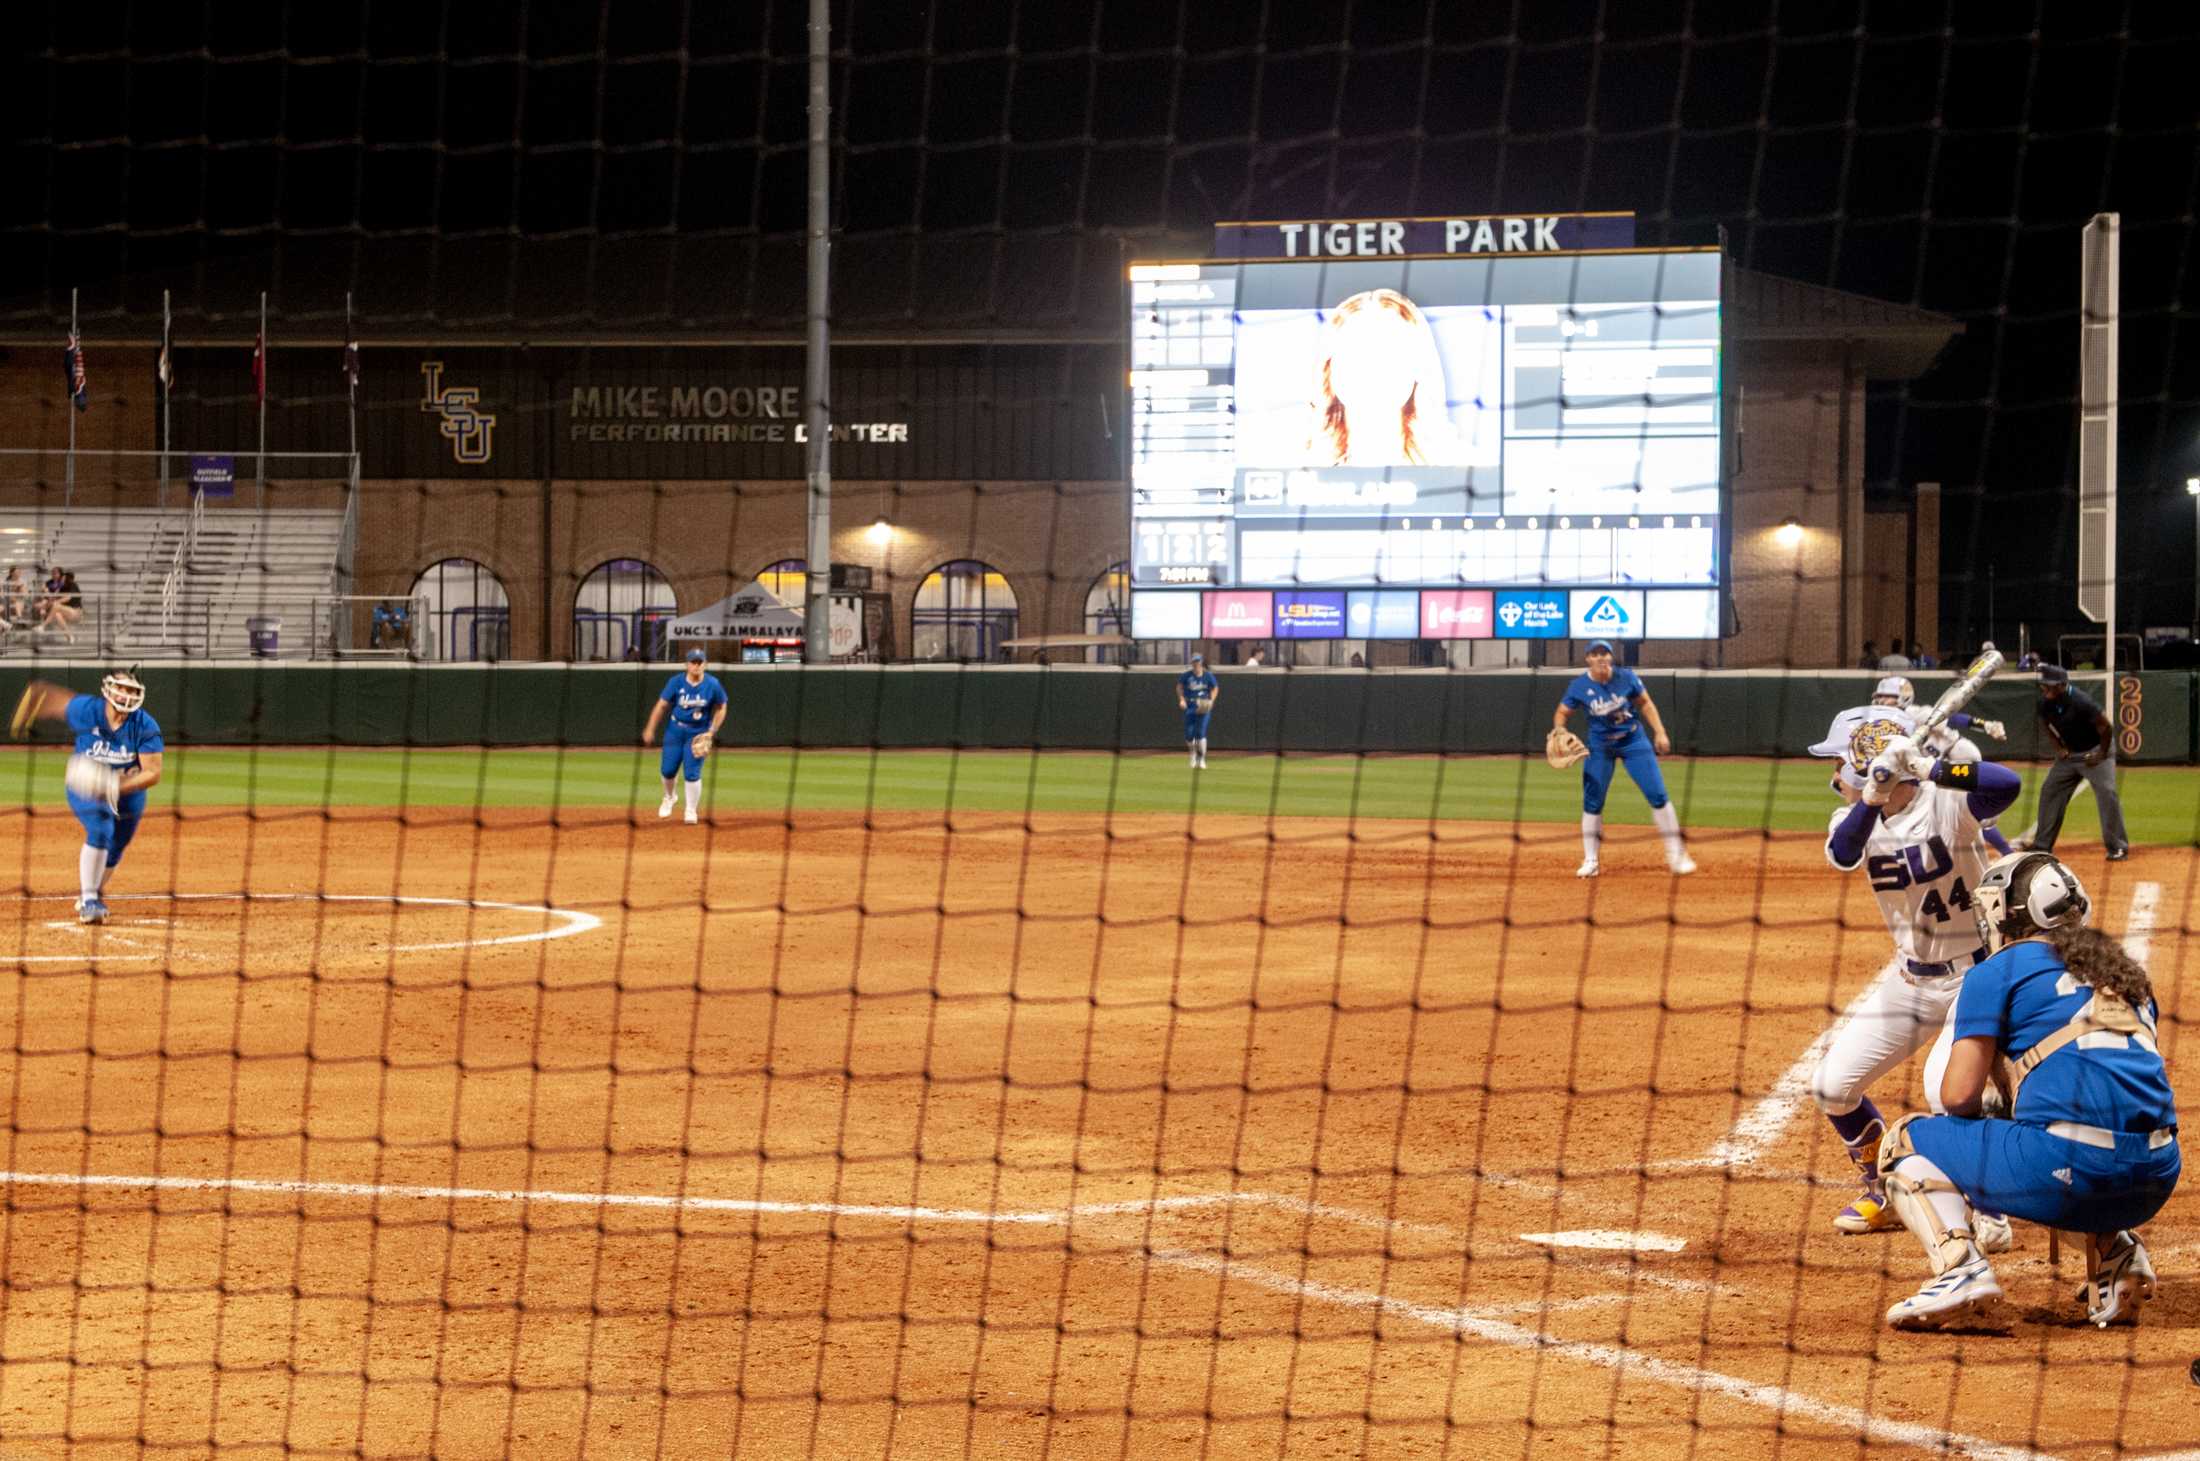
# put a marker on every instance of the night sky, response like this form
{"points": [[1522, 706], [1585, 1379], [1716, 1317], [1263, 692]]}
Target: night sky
{"points": [[478, 167]]}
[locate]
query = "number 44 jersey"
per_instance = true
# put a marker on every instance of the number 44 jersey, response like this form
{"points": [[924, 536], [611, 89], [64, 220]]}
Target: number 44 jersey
{"points": [[1923, 863]]}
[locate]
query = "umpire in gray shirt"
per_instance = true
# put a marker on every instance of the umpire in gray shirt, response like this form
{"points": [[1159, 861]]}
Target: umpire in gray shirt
{"points": [[2088, 753]]}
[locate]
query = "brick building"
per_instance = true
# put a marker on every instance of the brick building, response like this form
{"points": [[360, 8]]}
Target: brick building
{"points": [[583, 454]]}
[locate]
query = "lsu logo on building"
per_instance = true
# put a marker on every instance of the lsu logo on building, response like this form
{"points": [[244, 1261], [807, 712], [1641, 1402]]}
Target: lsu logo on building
{"points": [[471, 430]]}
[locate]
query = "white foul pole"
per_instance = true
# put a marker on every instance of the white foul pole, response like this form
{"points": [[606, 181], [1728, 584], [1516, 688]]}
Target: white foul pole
{"points": [[2100, 307], [817, 634]]}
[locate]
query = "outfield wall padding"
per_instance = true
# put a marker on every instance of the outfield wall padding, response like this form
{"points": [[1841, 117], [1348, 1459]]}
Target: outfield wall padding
{"points": [[1717, 713]]}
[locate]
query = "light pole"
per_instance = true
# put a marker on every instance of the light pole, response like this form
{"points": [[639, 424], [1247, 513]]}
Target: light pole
{"points": [[2192, 490]]}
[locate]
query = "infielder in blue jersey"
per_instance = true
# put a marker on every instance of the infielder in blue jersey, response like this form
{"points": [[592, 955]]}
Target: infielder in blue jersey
{"points": [[2063, 1021], [1622, 728], [697, 704], [1197, 689], [117, 760]]}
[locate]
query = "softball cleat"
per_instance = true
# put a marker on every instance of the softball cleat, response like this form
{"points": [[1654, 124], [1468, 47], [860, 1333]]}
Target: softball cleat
{"points": [[1588, 869], [2124, 1281], [664, 808], [91, 910], [1968, 1289], [1682, 866], [691, 819], [1868, 1214], [1992, 1232]]}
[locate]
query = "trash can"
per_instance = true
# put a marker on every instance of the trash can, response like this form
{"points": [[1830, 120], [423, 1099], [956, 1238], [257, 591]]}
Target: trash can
{"points": [[266, 636]]}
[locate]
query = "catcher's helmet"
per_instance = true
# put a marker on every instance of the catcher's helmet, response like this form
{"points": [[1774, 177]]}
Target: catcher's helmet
{"points": [[1896, 691], [123, 690], [2026, 893]]}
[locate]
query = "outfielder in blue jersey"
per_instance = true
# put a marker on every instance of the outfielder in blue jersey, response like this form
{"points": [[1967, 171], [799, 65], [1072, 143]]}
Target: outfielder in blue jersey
{"points": [[1197, 689], [1621, 728], [2063, 1021], [117, 760], [696, 704]]}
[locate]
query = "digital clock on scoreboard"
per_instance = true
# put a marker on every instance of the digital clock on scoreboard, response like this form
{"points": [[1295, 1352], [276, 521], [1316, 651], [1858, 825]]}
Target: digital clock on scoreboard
{"points": [[1500, 436]]}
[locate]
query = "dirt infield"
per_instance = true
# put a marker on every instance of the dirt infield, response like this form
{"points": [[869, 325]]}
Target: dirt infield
{"points": [[1076, 1137]]}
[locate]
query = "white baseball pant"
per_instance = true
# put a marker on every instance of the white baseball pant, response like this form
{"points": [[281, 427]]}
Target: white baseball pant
{"points": [[1896, 1021]]}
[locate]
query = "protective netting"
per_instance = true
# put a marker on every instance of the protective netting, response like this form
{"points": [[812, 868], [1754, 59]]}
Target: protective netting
{"points": [[976, 1075]]}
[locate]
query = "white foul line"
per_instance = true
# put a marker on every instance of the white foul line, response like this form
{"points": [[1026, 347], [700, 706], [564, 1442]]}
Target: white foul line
{"points": [[2139, 924], [1631, 1364], [1762, 1124], [1478, 1323]]}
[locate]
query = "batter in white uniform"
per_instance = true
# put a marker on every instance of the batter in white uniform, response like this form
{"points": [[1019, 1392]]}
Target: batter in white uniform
{"points": [[1914, 827], [1894, 698]]}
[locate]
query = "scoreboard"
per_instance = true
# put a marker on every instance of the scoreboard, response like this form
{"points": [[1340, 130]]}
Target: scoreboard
{"points": [[1508, 446]]}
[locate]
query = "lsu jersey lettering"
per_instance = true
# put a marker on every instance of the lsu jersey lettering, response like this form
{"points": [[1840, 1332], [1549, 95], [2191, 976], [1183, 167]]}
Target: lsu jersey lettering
{"points": [[1923, 863]]}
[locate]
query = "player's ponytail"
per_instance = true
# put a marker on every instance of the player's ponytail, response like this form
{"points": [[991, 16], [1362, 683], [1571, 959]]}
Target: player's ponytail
{"points": [[2099, 961]]}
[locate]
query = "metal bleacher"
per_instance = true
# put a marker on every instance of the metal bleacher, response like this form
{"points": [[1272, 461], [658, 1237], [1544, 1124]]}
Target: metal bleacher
{"points": [[159, 584]]}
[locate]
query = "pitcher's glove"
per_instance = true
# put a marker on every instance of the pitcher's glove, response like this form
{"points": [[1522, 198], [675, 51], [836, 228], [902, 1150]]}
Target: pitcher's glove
{"points": [[701, 745], [1562, 748], [93, 781]]}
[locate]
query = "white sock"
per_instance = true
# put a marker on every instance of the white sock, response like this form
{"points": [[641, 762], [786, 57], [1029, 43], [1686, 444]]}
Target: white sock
{"points": [[106, 871], [1191, 753], [694, 793], [1669, 827], [672, 788], [1592, 833], [91, 867], [1202, 750]]}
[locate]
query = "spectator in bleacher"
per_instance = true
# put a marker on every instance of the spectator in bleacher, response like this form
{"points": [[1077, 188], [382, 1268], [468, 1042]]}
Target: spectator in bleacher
{"points": [[1869, 660], [63, 605], [393, 620], [1920, 660], [1894, 660], [15, 598]]}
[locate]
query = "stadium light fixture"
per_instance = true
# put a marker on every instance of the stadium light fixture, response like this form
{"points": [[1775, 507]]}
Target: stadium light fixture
{"points": [[2192, 486], [1789, 533], [881, 532]]}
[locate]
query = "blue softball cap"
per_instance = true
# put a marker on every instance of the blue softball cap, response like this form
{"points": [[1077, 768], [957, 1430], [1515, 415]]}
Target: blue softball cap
{"points": [[1599, 646], [696, 657]]}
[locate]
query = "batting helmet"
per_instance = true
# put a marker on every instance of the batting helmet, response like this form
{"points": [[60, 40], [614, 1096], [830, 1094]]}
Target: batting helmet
{"points": [[1896, 691]]}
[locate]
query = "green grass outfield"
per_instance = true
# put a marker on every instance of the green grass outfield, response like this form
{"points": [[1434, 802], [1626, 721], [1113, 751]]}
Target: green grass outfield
{"points": [[2162, 804]]}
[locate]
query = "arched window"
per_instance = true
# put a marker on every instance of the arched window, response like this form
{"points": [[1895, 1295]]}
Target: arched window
{"points": [[964, 610], [466, 611], [788, 581], [1108, 610], [622, 612]]}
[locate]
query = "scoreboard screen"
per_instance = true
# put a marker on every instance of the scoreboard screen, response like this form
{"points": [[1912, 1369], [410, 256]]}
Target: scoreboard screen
{"points": [[1531, 444]]}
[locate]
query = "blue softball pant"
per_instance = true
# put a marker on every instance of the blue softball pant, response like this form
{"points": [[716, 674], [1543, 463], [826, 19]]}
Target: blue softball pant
{"points": [[1195, 724], [2029, 1172], [1642, 764], [109, 830], [679, 754]]}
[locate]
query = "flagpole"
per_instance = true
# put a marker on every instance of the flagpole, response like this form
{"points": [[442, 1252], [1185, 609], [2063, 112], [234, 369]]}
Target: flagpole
{"points": [[68, 472], [351, 385], [260, 471], [160, 373]]}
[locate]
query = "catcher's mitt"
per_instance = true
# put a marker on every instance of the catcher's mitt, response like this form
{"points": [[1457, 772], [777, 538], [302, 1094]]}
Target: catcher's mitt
{"points": [[26, 712], [1562, 748], [701, 744]]}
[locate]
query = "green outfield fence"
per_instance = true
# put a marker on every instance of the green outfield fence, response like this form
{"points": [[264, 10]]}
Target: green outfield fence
{"points": [[1709, 713]]}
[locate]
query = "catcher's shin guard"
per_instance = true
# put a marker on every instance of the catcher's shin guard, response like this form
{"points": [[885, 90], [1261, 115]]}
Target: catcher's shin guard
{"points": [[1910, 1179]]}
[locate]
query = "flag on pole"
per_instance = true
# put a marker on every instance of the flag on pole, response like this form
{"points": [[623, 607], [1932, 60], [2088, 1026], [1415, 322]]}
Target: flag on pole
{"points": [[259, 364], [163, 371], [72, 371], [351, 368]]}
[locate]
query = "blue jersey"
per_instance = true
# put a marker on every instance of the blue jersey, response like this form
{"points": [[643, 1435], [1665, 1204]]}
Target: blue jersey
{"points": [[2021, 996], [1195, 685], [116, 746], [1609, 707], [692, 705]]}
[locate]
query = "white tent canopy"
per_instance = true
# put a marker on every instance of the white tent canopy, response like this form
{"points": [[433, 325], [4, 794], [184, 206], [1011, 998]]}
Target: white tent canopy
{"points": [[753, 613]]}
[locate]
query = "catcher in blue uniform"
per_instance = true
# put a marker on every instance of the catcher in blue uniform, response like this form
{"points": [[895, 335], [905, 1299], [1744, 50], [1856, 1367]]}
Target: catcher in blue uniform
{"points": [[117, 760]]}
